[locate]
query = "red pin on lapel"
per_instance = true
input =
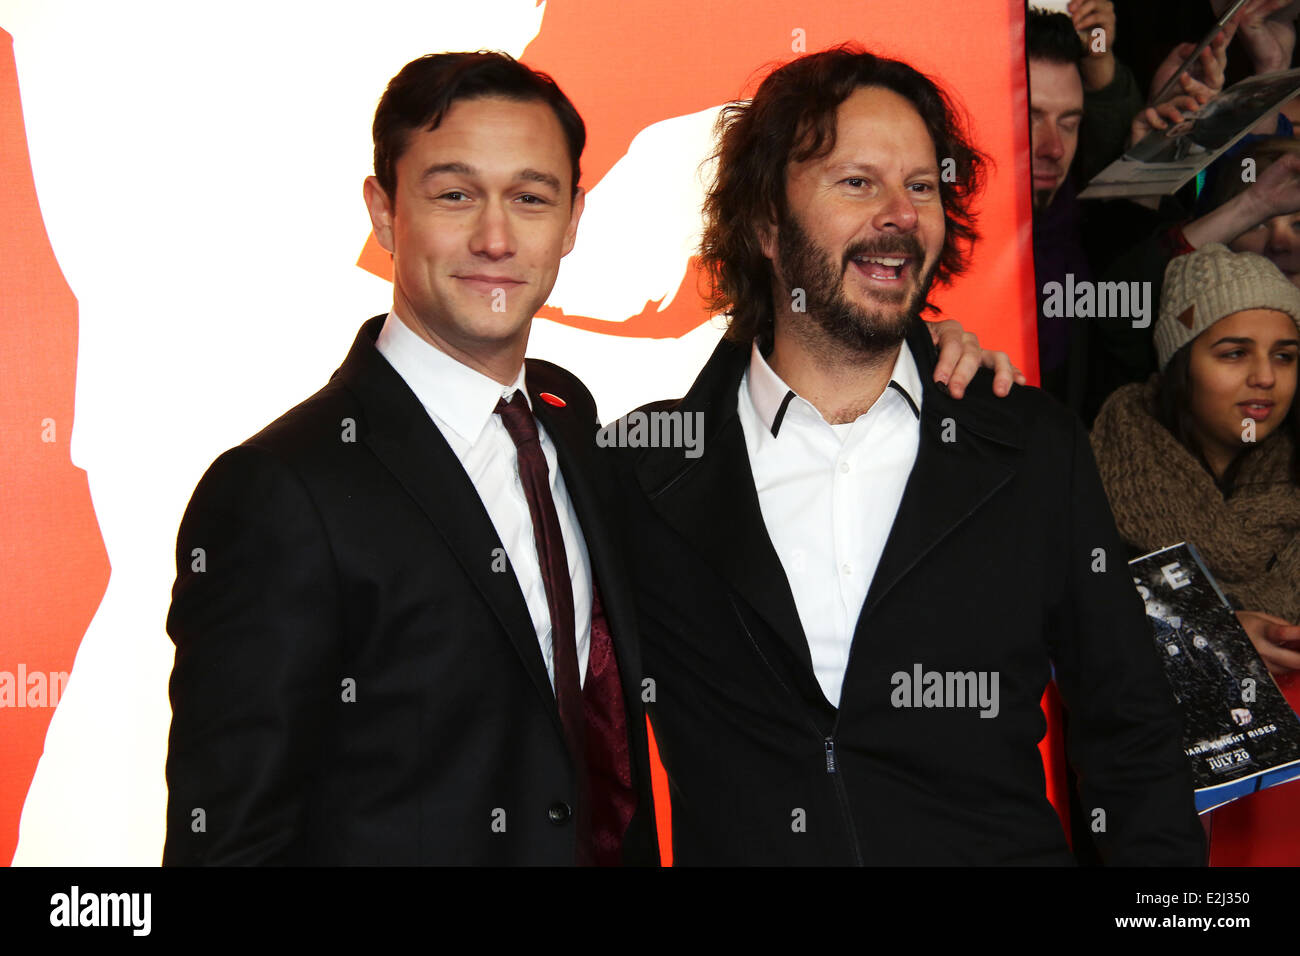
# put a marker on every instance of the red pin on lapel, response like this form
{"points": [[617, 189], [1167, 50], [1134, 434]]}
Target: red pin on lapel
{"points": [[550, 399]]}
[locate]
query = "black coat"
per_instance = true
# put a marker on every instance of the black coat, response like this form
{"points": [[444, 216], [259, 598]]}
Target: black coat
{"points": [[357, 677], [992, 565]]}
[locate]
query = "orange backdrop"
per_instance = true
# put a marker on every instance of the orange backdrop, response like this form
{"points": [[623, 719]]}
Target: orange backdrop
{"points": [[626, 66]]}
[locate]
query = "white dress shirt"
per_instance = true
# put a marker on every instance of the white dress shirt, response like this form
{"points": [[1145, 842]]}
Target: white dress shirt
{"points": [[829, 495], [461, 401]]}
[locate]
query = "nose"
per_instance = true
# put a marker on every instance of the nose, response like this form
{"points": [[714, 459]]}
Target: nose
{"points": [[1281, 235], [1047, 142], [1261, 373], [896, 212], [492, 236]]}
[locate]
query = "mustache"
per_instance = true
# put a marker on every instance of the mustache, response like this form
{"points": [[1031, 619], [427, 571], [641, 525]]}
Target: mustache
{"points": [[908, 246]]}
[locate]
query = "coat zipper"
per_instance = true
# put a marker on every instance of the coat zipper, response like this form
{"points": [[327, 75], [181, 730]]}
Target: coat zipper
{"points": [[828, 743], [832, 768]]}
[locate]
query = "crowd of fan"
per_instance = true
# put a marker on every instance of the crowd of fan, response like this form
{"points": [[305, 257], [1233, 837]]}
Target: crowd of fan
{"points": [[1193, 416]]}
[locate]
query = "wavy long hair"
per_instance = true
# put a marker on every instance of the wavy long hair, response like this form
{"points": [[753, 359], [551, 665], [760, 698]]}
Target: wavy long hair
{"points": [[791, 119]]}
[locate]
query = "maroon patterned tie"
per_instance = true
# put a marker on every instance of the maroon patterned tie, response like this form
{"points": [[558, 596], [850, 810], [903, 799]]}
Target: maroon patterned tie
{"points": [[612, 798], [535, 477]]}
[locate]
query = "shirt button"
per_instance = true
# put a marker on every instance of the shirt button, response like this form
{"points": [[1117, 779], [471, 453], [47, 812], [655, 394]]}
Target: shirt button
{"points": [[844, 468], [559, 813], [847, 568]]}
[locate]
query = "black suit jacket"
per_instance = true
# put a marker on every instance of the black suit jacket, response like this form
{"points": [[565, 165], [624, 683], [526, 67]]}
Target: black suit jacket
{"points": [[992, 565], [357, 677]]}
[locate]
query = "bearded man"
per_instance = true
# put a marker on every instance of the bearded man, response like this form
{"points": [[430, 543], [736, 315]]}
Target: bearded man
{"points": [[854, 591]]}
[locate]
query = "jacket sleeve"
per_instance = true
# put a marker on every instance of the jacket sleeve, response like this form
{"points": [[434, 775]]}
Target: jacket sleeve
{"points": [[1107, 117], [255, 621], [1124, 732]]}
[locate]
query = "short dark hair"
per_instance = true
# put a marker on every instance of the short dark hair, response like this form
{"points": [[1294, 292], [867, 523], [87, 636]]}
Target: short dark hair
{"points": [[1052, 37], [792, 119], [421, 93]]}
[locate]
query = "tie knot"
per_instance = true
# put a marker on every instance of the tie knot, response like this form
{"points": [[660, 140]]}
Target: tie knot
{"points": [[518, 419]]}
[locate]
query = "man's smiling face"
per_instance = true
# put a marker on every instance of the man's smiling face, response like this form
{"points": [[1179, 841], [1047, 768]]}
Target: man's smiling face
{"points": [[865, 223], [482, 215]]}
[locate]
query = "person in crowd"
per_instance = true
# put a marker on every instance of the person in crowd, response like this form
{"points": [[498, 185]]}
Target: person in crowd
{"points": [[1208, 451], [1067, 108], [1277, 237], [1235, 199], [1076, 130], [1256, 209]]}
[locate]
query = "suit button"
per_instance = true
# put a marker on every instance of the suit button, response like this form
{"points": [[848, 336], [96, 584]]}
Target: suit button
{"points": [[559, 813]]}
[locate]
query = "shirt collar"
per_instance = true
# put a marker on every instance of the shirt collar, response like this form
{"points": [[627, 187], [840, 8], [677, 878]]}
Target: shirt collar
{"points": [[461, 397], [771, 397]]}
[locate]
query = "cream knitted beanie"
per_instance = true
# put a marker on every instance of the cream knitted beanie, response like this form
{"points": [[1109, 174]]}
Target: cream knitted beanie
{"points": [[1211, 283]]}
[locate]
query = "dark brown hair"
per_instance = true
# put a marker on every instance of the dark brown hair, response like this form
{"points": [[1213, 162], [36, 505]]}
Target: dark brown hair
{"points": [[1052, 37], [1174, 411], [791, 119], [421, 93]]}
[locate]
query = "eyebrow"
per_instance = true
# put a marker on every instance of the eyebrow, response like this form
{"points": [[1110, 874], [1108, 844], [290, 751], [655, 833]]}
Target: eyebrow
{"points": [[462, 169], [1245, 340], [537, 176], [868, 168], [1068, 114], [437, 169]]}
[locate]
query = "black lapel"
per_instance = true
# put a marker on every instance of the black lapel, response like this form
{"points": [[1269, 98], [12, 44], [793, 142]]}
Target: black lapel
{"points": [[712, 503], [572, 428], [403, 437], [960, 463]]}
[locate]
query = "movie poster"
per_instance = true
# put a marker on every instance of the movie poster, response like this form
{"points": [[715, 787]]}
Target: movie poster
{"points": [[1239, 733]]}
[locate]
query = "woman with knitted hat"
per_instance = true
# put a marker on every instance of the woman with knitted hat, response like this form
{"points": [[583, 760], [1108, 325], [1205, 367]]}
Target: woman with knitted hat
{"points": [[1208, 451]]}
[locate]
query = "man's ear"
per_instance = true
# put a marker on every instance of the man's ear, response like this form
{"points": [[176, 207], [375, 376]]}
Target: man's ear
{"points": [[575, 213], [766, 230], [381, 212]]}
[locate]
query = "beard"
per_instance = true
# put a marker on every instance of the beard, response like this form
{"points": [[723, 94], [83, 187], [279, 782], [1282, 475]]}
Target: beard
{"points": [[804, 265]]}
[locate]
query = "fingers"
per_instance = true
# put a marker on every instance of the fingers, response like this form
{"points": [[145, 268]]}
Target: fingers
{"points": [[967, 365], [1248, 16], [1167, 69], [1213, 66], [1167, 113], [1144, 122], [1290, 162], [960, 358], [1279, 660], [1004, 373], [1265, 631], [1088, 14], [1196, 94], [1283, 634], [948, 336]]}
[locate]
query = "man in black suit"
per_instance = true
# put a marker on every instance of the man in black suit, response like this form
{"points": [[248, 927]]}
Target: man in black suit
{"points": [[366, 669], [852, 600]]}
